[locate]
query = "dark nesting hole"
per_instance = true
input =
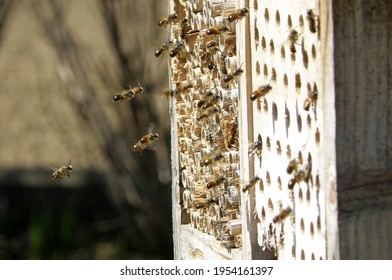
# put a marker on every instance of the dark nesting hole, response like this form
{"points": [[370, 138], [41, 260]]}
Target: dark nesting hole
{"points": [[270, 205], [278, 148], [272, 46], [317, 136], [313, 51], [273, 75], [265, 70], [266, 15], [274, 111], [299, 123], [277, 18], [298, 81], [257, 36], [263, 43], [268, 178], [288, 151], [280, 187], [302, 254], [308, 195], [261, 186], [309, 121], [257, 67], [300, 195], [268, 143], [289, 22], [305, 59], [285, 80], [282, 52], [301, 21]]}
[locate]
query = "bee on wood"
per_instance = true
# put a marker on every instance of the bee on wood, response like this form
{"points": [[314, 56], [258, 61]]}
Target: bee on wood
{"points": [[164, 47], [251, 184], [183, 86], [147, 141], [176, 49], [238, 15], [211, 159], [313, 20], [62, 171], [215, 182], [236, 73], [206, 203], [231, 140], [217, 30], [293, 165], [208, 112], [128, 94], [167, 92], [293, 39], [168, 20], [301, 172], [283, 214], [312, 99], [256, 148], [260, 92]]}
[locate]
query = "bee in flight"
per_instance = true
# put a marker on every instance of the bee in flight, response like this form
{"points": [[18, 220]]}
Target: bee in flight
{"points": [[282, 215], [127, 94], [168, 20], [238, 15], [147, 141], [61, 171]]}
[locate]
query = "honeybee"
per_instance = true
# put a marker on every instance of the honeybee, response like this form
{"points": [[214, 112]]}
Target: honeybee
{"points": [[128, 94], [183, 86], [164, 47], [256, 148], [206, 203], [231, 140], [217, 30], [293, 39], [251, 184], [260, 92], [61, 171], [299, 175], [168, 20], [210, 159], [229, 77], [313, 20], [215, 182], [238, 15], [293, 165], [208, 102], [311, 100], [209, 111], [301, 172], [147, 141], [176, 49], [166, 92], [282, 215]]}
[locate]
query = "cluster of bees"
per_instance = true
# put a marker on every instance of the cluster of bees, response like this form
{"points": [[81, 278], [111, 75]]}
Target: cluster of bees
{"points": [[204, 72]]}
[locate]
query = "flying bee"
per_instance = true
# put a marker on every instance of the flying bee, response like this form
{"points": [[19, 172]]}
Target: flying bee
{"points": [[127, 94], [210, 159], [164, 47], [251, 184], [260, 92], [183, 86], [293, 165], [283, 214], [166, 92], [206, 203], [62, 171], [313, 20], [256, 148], [311, 100], [208, 102], [299, 175], [229, 77], [238, 15], [215, 182], [147, 141], [176, 49], [293, 39], [168, 20], [217, 30]]}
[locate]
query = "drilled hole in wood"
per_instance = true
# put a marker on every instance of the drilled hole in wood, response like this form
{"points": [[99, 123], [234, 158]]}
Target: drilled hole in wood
{"points": [[265, 106], [300, 159], [302, 254], [288, 151], [313, 51], [280, 187], [312, 230], [301, 21], [285, 80], [277, 18], [282, 52], [268, 143], [266, 15], [263, 43], [261, 186], [318, 223], [317, 136], [293, 253], [257, 67], [298, 81], [257, 36], [308, 195], [305, 59], [273, 75], [281, 236], [299, 123], [309, 157], [270, 205], [263, 214], [289, 22], [300, 195], [268, 178], [278, 148], [317, 183], [302, 225], [313, 256], [274, 111], [287, 117], [309, 121], [265, 70], [292, 57], [272, 46]]}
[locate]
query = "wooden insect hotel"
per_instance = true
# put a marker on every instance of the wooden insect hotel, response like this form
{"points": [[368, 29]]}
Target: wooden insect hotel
{"points": [[260, 145]]}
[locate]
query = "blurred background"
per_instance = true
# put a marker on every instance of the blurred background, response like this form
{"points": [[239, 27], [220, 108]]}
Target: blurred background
{"points": [[61, 62]]}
